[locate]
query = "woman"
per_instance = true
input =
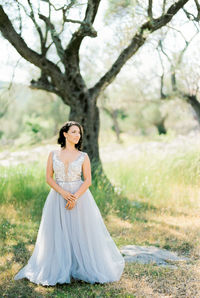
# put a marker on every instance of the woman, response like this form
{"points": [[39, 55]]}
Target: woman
{"points": [[72, 240]]}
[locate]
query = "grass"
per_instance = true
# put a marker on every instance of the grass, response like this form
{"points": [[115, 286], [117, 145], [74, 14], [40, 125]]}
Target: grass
{"points": [[156, 203], [161, 181]]}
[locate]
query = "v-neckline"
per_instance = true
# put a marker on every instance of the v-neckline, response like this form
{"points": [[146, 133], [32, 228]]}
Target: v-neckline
{"points": [[69, 161]]}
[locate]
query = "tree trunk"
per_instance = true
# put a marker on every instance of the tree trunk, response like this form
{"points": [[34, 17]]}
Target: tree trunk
{"points": [[66, 81], [192, 100], [173, 80], [86, 112], [161, 127], [162, 94], [114, 114]]}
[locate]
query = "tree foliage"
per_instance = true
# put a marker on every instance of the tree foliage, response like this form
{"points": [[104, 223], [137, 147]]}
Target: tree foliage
{"points": [[60, 27]]}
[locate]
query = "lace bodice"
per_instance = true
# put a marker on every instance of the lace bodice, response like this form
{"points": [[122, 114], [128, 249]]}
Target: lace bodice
{"points": [[74, 168]]}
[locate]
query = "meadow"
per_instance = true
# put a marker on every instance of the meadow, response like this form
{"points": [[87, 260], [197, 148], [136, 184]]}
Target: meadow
{"points": [[156, 202]]}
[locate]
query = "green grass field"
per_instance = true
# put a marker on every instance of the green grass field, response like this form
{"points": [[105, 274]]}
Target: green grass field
{"points": [[156, 202]]}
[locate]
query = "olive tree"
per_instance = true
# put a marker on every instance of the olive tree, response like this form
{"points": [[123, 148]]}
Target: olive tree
{"points": [[61, 74]]}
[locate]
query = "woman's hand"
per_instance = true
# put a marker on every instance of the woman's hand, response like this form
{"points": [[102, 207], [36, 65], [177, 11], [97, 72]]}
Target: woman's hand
{"points": [[70, 205], [68, 196]]}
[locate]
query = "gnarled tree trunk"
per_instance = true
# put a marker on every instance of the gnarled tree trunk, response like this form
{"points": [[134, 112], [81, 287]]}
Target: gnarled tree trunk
{"points": [[87, 113], [67, 81]]}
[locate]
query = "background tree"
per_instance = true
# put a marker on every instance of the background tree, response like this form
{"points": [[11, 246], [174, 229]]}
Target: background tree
{"points": [[184, 83], [113, 104], [62, 75]]}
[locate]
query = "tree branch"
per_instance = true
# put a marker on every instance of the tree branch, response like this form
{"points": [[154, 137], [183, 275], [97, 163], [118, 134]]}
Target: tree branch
{"points": [[162, 94], [198, 9], [44, 85], [163, 7], [85, 28], [73, 21], [191, 16], [43, 39], [32, 16], [149, 10], [161, 47], [91, 11], [137, 41], [197, 4], [187, 43], [19, 44], [63, 8], [54, 36], [20, 19]]}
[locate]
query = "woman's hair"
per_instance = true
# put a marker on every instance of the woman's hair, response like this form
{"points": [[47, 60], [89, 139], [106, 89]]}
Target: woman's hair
{"points": [[65, 128]]}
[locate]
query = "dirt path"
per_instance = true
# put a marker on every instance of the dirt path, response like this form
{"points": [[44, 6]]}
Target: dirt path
{"points": [[178, 144]]}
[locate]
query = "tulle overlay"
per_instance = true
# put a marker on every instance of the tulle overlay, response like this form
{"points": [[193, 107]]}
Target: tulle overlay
{"points": [[72, 243]]}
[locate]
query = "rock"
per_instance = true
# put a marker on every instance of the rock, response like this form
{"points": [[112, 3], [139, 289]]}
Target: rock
{"points": [[150, 254]]}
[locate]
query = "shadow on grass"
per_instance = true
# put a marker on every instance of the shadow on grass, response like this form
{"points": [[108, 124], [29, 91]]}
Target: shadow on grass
{"points": [[110, 199], [132, 210], [19, 289], [28, 192], [24, 288], [20, 252], [77, 288]]}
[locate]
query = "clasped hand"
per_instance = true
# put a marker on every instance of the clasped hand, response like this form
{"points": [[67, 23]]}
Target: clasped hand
{"points": [[70, 198]]}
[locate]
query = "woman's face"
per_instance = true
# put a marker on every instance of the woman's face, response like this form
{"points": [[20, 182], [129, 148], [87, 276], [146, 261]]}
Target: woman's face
{"points": [[73, 135]]}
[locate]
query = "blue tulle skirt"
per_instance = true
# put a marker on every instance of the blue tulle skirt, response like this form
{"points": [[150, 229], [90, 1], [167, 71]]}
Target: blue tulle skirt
{"points": [[72, 243]]}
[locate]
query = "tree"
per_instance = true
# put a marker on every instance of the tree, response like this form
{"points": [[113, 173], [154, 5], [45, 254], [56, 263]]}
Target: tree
{"points": [[113, 104], [175, 62], [63, 76]]}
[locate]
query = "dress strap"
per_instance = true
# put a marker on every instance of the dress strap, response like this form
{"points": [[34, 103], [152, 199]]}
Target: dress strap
{"points": [[53, 154], [84, 155]]}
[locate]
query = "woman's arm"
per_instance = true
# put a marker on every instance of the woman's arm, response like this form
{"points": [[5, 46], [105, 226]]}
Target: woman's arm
{"points": [[87, 177]]}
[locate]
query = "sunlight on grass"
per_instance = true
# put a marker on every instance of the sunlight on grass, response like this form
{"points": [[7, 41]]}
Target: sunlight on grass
{"points": [[170, 182], [156, 202]]}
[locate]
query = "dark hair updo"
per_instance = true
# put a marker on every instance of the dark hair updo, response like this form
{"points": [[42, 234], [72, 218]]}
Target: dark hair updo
{"points": [[65, 128]]}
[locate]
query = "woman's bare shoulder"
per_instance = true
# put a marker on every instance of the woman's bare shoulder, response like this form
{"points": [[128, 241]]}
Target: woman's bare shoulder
{"points": [[52, 152], [85, 156], [84, 153]]}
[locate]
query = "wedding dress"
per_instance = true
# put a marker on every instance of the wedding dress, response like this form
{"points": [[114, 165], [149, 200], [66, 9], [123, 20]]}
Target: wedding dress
{"points": [[72, 243]]}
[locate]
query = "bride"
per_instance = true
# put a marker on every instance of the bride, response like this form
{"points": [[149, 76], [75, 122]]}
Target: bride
{"points": [[72, 240]]}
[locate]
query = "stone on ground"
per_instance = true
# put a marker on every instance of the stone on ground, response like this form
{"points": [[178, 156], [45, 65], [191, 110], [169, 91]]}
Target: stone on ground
{"points": [[151, 255]]}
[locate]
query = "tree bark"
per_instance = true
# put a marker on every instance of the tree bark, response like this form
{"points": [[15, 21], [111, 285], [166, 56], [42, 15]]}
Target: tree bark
{"points": [[161, 126], [193, 101], [113, 115], [88, 115], [69, 84]]}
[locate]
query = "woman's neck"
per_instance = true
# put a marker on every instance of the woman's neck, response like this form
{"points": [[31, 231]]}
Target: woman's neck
{"points": [[69, 148]]}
